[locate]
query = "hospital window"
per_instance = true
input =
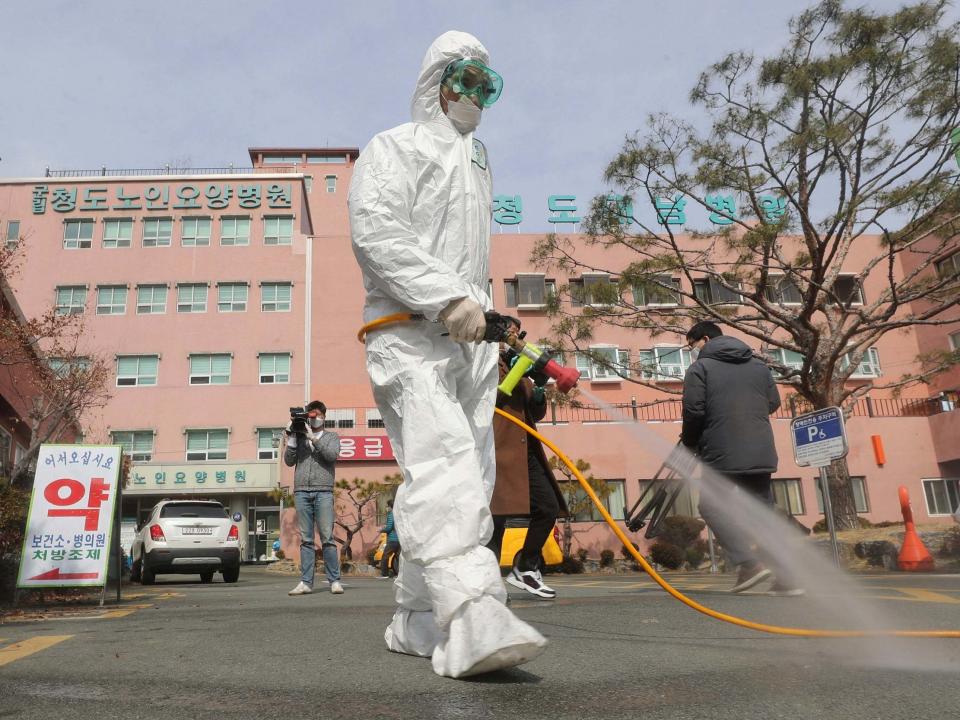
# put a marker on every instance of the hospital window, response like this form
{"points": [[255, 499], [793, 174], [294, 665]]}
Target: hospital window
{"points": [[274, 368], [788, 495], [275, 297], [331, 183], [117, 232], [949, 266], [192, 298], [603, 363], [598, 290], [13, 233], [135, 370], [195, 231], [343, 418], [232, 297], [278, 230], [77, 234], [848, 290], [151, 299], [157, 232], [320, 159], [71, 299], [710, 291], [783, 290], [234, 231], [860, 499], [942, 495], [207, 444], [583, 509], [657, 292], [685, 504], [210, 369], [664, 363], [529, 290], [138, 444], [266, 450], [111, 300], [869, 366]]}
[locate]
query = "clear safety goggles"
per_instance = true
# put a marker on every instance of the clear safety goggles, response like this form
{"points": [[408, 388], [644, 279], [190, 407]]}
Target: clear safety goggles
{"points": [[473, 78]]}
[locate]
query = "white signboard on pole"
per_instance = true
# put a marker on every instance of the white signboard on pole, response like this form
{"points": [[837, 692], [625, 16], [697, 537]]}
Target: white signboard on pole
{"points": [[67, 539]]}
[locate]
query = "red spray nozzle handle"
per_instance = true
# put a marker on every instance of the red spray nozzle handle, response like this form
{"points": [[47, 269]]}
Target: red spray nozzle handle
{"points": [[566, 377]]}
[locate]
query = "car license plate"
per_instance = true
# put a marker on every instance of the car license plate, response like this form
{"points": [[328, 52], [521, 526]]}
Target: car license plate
{"points": [[196, 531]]}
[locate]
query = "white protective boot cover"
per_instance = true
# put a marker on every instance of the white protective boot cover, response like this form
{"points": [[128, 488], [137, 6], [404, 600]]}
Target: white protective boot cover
{"points": [[420, 203]]}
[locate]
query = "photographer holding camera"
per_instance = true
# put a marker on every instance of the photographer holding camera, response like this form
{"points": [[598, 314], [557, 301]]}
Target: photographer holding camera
{"points": [[313, 451]]}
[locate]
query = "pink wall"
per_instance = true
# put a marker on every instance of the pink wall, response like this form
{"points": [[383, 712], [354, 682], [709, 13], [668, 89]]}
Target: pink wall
{"points": [[338, 375]]}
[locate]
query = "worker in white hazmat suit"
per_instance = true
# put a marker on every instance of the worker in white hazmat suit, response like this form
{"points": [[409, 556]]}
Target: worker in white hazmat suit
{"points": [[420, 204]]}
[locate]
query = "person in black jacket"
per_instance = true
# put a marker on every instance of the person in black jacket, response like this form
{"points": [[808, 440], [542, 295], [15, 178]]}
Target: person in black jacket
{"points": [[728, 397]]}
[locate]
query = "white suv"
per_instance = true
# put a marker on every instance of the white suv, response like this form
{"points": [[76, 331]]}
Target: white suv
{"points": [[185, 537]]}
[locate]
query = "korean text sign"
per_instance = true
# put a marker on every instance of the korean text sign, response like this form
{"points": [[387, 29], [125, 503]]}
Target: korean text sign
{"points": [[67, 540]]}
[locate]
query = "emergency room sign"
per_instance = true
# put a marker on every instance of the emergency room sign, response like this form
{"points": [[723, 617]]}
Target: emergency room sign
{"points": [[67, 539]]}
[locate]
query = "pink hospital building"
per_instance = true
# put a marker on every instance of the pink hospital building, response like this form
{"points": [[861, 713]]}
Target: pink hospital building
{"points": [[225, 296]]}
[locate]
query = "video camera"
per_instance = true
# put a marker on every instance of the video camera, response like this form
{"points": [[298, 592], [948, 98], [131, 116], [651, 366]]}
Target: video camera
{"points": [[298, 420]]}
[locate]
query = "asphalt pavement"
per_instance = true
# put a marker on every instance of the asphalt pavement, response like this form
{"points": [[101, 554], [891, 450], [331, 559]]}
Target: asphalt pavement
{"points": [[619, 648]]}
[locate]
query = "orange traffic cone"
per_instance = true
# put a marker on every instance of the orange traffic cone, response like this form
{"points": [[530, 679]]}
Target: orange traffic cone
{"points": [[914, 556]]}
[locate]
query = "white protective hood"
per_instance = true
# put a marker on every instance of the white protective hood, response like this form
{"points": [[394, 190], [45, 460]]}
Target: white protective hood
{"points": [[420, 202]]}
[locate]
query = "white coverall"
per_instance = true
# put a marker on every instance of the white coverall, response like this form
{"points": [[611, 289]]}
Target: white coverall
{"points": [[420, 203]]}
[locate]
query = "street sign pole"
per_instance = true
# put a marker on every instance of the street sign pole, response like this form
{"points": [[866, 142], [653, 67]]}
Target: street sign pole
{"points": [[819, 438], [828, 513]]}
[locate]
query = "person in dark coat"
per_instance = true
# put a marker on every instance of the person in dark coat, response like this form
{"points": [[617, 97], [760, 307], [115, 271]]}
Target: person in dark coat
{"points": [[525, 484], [728, 397]]}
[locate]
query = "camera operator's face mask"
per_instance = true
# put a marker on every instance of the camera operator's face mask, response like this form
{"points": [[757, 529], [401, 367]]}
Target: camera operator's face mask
{"points": [[316, 421]]}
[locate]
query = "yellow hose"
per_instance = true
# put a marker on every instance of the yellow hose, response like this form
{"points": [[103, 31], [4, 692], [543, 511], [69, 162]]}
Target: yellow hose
{"points": [[385, 320], [732, 619]]}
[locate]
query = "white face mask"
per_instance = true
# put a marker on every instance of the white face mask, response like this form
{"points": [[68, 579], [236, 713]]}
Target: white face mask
{"points": [[464, 115], [695, 353], [316, 422]]}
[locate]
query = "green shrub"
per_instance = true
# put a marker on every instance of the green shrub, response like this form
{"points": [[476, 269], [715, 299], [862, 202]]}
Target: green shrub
{"points": [[820, 526], [666, 554], [582, 555], [571, 565], [280, 555], [371, 554], [951, 543], [13, 520], [681, 530], [694, 556], [627, 555], [606, 558]]}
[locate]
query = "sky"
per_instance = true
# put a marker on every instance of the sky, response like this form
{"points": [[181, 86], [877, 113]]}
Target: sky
{"points": [[194, 84]]}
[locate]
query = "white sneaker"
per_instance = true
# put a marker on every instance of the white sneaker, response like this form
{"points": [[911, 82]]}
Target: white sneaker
{"points": [[532, 582], [301, 589], [336, 588]]}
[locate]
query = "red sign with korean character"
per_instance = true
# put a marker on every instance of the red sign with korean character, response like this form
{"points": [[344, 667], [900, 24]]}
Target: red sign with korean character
{"points": [[67, 539], [365, 447]]}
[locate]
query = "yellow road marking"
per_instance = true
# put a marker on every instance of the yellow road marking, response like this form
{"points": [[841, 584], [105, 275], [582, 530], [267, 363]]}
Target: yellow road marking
{"points": [[28, 647], [928, 596]]}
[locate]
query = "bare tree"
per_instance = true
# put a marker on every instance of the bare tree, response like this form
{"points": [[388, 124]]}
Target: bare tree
{"points": [[52, 379], [356, 503], [576, 499], [839, 140]]}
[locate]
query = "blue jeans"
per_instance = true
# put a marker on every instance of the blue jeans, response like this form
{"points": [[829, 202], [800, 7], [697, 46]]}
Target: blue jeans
{"points": [[315, 512]]}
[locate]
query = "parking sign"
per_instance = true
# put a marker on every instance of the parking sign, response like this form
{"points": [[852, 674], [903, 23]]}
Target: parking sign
{"points": [[819, 437]]}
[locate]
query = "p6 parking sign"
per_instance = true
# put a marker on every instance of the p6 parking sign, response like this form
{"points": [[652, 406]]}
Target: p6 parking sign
{"points": [[67, 539]]}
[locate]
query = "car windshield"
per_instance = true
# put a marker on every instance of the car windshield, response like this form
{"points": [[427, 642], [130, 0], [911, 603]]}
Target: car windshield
{"points": [[193, 510]]}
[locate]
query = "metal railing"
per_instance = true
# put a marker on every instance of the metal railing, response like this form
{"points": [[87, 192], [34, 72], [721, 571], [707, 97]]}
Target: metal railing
{"points": [[168, 170], [672, 411]]}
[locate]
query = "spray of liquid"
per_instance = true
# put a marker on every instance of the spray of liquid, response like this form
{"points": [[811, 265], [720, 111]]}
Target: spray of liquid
{"points": [[832, 600]]}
